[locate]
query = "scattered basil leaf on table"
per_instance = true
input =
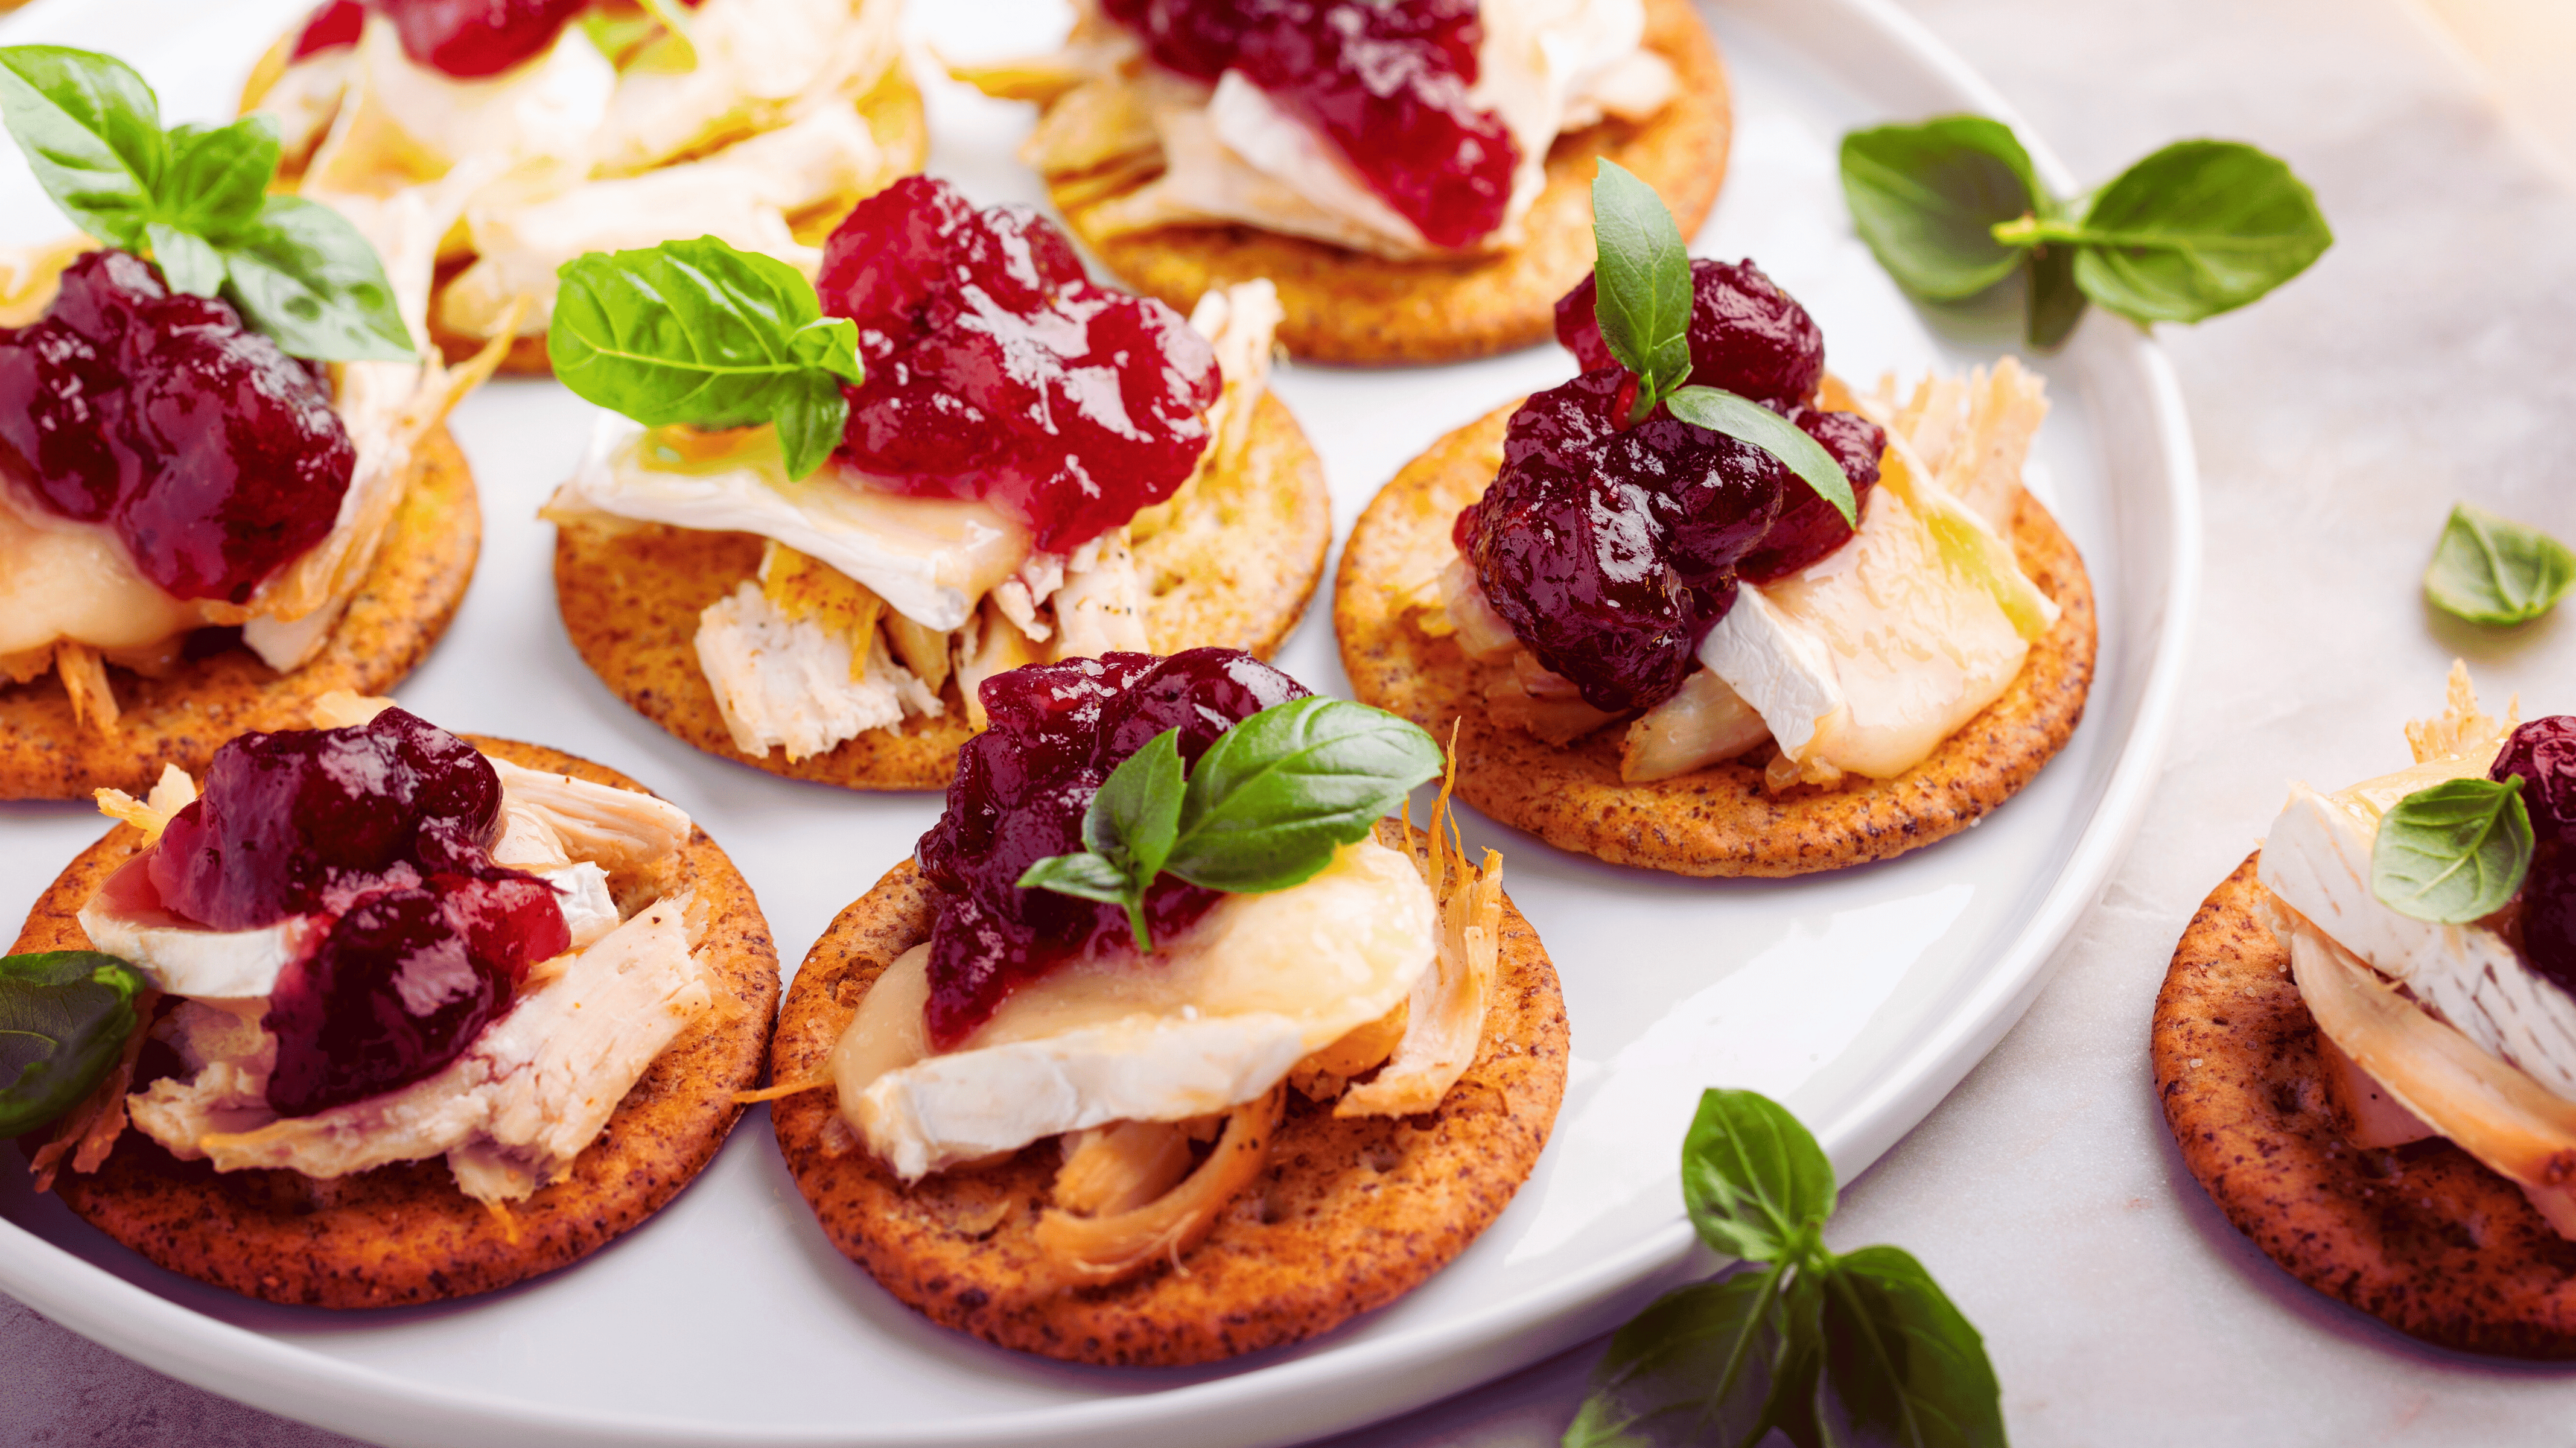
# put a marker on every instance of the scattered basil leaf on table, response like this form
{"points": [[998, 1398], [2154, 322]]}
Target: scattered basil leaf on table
{"points": [[1828, 1349], [1642, 298], [2494, 570], [64, 1017], [2453, 853], [1952, 207], [1264, 809], [696, 332], [195, 200]]}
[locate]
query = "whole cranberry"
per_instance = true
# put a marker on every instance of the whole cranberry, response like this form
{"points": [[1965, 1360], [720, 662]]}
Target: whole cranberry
{"points": [[2543, 752], [1746, 334], [471, 39], [1809, 527]]}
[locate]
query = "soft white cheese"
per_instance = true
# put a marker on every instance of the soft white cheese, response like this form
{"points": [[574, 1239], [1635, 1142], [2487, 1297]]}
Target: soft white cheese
{"points": [[589, 910], [184, 958], [759, 62], [401, 123], [1785, 671]]}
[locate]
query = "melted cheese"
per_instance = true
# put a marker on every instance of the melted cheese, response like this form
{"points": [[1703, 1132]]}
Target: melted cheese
{"points": [[760, 64]]}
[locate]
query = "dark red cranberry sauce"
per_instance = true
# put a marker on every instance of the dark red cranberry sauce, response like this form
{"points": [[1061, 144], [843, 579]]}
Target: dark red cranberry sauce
{"points": [[334, 25], [1611, 548], [2543, 753], [466, 39], [214, 456], [383, 829], [997, 370], [1385, 80], [1019, 795]]}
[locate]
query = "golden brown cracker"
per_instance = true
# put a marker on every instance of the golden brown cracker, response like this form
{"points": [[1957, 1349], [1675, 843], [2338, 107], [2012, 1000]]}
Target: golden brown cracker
{"points": [[2420, 1236], [404, 1234], [1232, 564], [403, 605], [1714, 821], [1351, 307], [1347, 1215]]}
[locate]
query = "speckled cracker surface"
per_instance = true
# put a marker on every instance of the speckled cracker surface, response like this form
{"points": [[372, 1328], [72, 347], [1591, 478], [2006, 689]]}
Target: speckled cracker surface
{"points": [[404, 1234], [1351, 307], [2420, 1236], [1232, 565], [1347, 1215], [400, 609], [1714, 821]]}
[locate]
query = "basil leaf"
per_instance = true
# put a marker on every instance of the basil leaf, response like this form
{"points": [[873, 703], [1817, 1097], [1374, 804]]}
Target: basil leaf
{"points": [[216, 183], [2198, 228], [1642, 282], [1901, 1366], [91, 130], [303, 275], [1926, 198], [64, 1017], [1137, 814], [2493, 570], [1276, 794], [1696, 1367], [1748, 421], [188, 262], [2056, 303], [682, 50], [2453, 853], [1754, 1180], [1798, 1378], [1084, 875], [696, 332]]}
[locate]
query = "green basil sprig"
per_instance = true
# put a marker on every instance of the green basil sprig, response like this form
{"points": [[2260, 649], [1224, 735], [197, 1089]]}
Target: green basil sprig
{"points": [[1828, 1348], [1642, 296], [2494, 570], [2455, 852], [64, 1017], [1953, 207], [195, 200], [1265, 809], [696, 332]]}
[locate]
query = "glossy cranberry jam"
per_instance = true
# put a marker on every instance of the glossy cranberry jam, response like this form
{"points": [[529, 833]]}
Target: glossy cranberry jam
{"points": [[1612, 548], [1019, 795], [212, 454], [384, 831], [997, 370], [333, 25], [2543, 754], [1386, 81]]}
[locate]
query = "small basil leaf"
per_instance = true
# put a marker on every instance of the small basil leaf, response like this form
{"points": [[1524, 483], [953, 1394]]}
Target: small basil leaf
{"points": [[1696, 1367], [812, 415], [2453, 853], [1276, 794], [682, 51], [303, 275], [216, 183], [1642, 282], [2493, 570], [830, 345], [1748, 421], [1137, 814], [91, 130], [1926, 198], [188, 262], [1085, 876], [618, 35], [1753, 1179], [1798, 1378], [2056, 303], [1901, 1365], [64, 1017], [2198, 228]]}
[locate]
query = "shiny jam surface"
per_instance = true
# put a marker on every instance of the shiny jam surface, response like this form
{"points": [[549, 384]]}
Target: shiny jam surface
{"points": [[1386, 81], [997, 370], [1610, 548], [384, 830], [473, 39], [333, 25], [212, 454], [2543, 753], [1019, 795]]}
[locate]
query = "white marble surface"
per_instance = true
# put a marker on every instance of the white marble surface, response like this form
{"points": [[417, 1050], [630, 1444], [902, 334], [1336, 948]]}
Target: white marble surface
{"points": [[2426, 358]]}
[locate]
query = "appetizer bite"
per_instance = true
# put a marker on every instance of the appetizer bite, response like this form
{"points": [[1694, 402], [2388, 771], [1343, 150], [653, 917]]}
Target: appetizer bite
{"points": [[2362, 1046], [1704, 609], [204, 527], [569, 126], [782, 563], [1166, 1046], [406, 1016], [1410, 174]]}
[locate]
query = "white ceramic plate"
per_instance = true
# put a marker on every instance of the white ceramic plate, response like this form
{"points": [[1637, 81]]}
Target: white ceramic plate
{"points": [[1860, 998]]}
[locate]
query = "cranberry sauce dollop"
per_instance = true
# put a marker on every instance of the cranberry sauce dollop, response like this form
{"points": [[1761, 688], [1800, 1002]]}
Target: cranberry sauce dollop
{"points": [[384, 830], [1611, 548], [2543, 753], [212, 454], [1386, 81], [1019, 795], [997, 370], [333, 25]]}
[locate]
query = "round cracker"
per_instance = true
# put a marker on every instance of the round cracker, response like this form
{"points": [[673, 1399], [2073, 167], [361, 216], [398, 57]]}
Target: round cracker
{"points": [[2420, 1236], [1351, 307], [404, 1234], [1232, 563], [1714, 821], [403, 605], [1347, 1215]]}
